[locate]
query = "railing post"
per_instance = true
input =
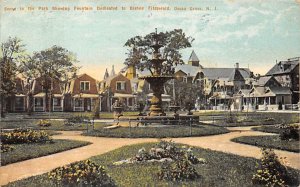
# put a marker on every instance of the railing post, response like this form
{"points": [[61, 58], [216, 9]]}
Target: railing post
{"points": [[87, 126], [190, 126], [129, 127], [93, 123]]}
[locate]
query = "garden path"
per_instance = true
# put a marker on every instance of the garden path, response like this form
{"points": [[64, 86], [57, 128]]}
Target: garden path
{"points": [[16, 171]]}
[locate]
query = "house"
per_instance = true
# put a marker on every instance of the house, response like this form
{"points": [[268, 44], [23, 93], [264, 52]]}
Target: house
{"points": [[43, 100], [17, 102], [266, 81], [81, 93], [265, 98], [287, 74], [187, 72], [116, 87]]}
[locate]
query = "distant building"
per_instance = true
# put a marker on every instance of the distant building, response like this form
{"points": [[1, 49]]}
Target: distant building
{"points": [[17, 102], [81, 93], [287, 74], [116, 87]]}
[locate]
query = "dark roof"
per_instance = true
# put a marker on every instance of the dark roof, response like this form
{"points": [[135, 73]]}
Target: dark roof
{"points": [[236, 76], [216, 73], [193, 57], [280, 90], [262, 81], [283, 67]]}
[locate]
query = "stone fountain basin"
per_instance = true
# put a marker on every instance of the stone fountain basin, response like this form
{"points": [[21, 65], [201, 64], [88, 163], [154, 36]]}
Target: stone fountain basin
{"points": [[156, 121]]}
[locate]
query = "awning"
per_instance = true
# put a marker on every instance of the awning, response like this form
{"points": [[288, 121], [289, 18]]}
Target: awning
{"points": [[57, 95], [40, 95], [86, 96], [20, 95], [120, 95]]}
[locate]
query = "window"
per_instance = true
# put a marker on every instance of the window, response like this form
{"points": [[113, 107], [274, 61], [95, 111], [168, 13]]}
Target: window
{"points": [[84, 85], [121, 85], [56, 101], [39, 101], [78, 102], [185, 79]]}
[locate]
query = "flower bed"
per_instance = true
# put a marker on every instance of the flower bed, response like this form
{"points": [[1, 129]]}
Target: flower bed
{"points": [[83, 173], [19, 136], [271, 170], [177, 162], [44, 123]]}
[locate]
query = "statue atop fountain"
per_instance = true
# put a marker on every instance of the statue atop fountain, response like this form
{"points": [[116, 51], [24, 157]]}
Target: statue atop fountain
{"points": [[157, 79]]}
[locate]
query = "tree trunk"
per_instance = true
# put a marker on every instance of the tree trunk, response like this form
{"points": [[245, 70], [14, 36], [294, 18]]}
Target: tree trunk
{"points": [[2, 106]]}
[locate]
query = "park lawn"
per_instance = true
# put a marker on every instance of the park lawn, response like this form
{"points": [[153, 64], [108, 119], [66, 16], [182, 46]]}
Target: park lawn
{"points": [[221, 169], [159, 132], [28, 151], [269, 129], [273, 141], [55, 125]]}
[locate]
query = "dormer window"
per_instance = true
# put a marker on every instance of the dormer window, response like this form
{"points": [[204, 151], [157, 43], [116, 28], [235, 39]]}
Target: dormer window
{"points": [[121, 85], [84, 85]]}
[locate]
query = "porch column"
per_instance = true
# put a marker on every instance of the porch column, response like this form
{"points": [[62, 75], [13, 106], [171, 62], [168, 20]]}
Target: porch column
{"points": [[100, 101], [34, 104], [24, 104], [74, 103], [127, 101], [91, 104], [269, 100], [52, 104], [62, 104], [44, 103]]}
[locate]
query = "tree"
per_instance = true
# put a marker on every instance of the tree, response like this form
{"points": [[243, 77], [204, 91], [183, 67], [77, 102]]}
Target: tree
{"points": [[139, 52], [55, 64], [186, 93], [12, 52]]}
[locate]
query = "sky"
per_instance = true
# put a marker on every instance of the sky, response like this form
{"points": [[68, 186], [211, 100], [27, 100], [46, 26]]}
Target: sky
{"points": [[253, 33]]}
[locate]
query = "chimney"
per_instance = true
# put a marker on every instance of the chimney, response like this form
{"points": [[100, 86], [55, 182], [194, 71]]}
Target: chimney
{"points": [[237, 65]]}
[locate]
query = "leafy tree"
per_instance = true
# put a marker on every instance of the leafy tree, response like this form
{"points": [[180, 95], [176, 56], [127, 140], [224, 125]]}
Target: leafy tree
{"points": [[55, 64], [139, 52], [186, 93], [12, 52]]}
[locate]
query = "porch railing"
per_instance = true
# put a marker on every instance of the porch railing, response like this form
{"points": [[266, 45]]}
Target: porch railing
{"points": [[39, 108]]}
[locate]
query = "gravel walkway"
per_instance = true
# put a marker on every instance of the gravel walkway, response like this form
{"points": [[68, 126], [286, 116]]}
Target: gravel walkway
{"points": [[20, 170]]}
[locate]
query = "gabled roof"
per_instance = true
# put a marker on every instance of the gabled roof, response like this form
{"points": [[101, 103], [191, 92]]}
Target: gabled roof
{"points": [[188, 69], [284, 67], [236, 76], [263, 81], [280, 90], [193, 57], [216, 73]]}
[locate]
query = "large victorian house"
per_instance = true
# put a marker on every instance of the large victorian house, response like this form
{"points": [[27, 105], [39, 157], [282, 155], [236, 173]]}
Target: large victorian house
{"points": [[81, 93]]}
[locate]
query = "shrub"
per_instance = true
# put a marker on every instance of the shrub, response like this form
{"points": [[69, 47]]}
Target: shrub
{"points": [[289, 132], [83, 173], [19, 136], [6, 148], [180, 170], [76, 119], [165, 149], [44, 123], [270, 170]]}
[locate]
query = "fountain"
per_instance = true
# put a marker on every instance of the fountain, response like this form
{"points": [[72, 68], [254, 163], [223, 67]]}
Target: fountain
{"points": [[157, 116], [157, 79]]}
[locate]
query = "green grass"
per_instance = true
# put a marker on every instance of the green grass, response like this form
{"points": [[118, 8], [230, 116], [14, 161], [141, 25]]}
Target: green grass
{"points": [[28, 151], [158, 132], [55, 125], [222, 169], [268, 129], [270, 142]]}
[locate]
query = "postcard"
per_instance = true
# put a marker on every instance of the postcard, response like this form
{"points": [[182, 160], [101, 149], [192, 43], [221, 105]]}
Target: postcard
{"points": [[149, 93]]}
